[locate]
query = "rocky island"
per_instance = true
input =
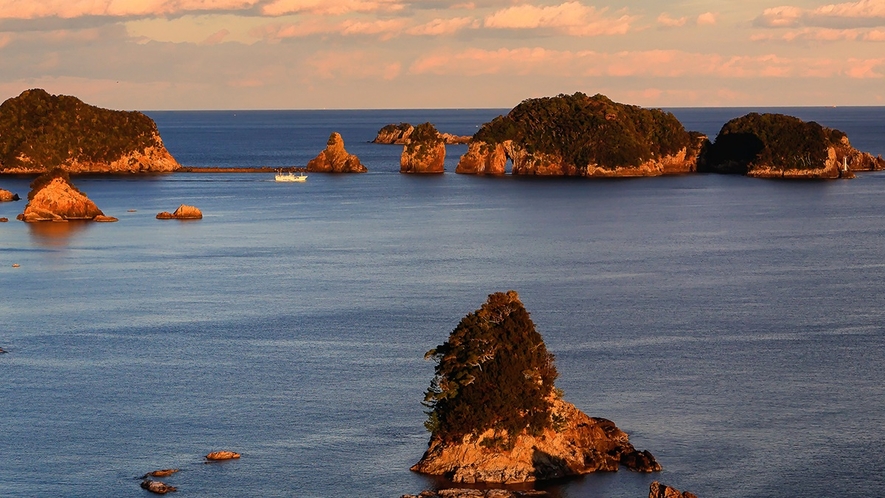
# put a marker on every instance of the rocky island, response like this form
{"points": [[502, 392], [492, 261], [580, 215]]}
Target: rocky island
{"points": [[577, 135], [54, 198], [335, 159], [7, 196], [495, 416], [424, 152], [39, 131], [400, 134], [781, 146]]}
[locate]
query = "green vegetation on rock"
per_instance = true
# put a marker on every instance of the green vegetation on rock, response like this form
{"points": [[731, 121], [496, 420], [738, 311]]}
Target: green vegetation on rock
{"points": [[768, 140], [589, 131], [45, 130], [494, 372]]}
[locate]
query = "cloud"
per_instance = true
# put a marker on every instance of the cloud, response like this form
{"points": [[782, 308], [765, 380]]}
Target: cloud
{"points": [[708, 19], [675, 64], [572, 18], [69, 9], [382, 28], [329, 7], [216, 38], [439, 27], [863, 13], [352, 65], [669, 22]]}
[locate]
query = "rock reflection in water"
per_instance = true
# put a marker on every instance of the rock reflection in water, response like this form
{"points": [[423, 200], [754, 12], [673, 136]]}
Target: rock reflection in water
{"points": [[55, 234]]}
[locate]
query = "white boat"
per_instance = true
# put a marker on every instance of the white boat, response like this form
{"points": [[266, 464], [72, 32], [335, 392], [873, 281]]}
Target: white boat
{"points": [[290, 177]]}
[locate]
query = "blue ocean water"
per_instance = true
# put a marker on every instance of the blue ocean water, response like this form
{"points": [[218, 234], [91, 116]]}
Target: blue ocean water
{"points": [[731, 326]]}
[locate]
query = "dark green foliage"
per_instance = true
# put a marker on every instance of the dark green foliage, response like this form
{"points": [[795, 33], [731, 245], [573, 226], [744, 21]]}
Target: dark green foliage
{"points": [[589, 130], [44, 179], [52, 130], [395, 128], [494, 372], [424, 139], [769, 140]]}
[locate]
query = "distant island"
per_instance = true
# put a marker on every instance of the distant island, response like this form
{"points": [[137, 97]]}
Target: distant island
{"points": [[39, 132], [495, 415], [578, 135], [781, 146], [400, 134]]}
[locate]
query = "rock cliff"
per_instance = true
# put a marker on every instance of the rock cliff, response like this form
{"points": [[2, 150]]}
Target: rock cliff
{"points": [[39, 131], [54, 198], [334, 159], [781, 146], [577, 135], [425, 151], [580, 445], [399, 134], [495, 415]]}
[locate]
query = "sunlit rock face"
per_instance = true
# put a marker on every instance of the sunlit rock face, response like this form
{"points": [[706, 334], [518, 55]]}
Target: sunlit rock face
{"points": [[54, 198], [425, 151], [39, 132], [335, 159]]}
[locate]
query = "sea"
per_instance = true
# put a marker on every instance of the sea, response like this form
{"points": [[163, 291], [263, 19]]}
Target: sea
{"points": [[734, 327]]}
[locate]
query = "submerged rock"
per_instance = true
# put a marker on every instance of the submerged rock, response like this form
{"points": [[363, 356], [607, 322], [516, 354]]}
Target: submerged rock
{"points": [[54, 198], [160, 473], [335, 159], [157, 487], [222, 455], [184, 212], [658, 490], [577, 135], [425, 152], [39, 132]]}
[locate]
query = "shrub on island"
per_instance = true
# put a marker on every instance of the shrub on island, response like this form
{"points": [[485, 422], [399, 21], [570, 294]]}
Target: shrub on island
{"points": [[494, 413], [39, 131], [577, 135], [780, 146]]}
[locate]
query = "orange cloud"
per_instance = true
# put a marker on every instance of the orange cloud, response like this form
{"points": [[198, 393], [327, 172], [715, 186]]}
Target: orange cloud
{"points": [[648, 63], [385, 29], [69, 9], [855, 14], [216, 38], [707, 19], [572, 18], [669, 22], [329, 7], [352, 65], [438, 27]]}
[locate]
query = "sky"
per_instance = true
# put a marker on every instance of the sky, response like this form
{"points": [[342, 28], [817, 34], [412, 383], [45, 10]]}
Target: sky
{"points": [[394, 54]]}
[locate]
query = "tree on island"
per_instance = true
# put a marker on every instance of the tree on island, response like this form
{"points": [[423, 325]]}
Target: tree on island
{"points": [[494, 372]]}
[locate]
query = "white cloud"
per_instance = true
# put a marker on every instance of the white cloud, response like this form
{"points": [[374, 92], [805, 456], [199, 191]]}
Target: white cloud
{"points": [[670, 22]]}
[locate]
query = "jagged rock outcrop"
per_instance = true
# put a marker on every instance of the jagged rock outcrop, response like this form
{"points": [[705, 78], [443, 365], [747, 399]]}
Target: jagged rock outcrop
{"points": [[160, 473], [39, 131], [400, 134], [184, 212], [157, 487], [479, 493], [658, 490], [577, 135], [495, 415], [580, 446], [425, 152], [781, 146], [334, 159], [222, 455], [7, 196], [54, 198]]}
